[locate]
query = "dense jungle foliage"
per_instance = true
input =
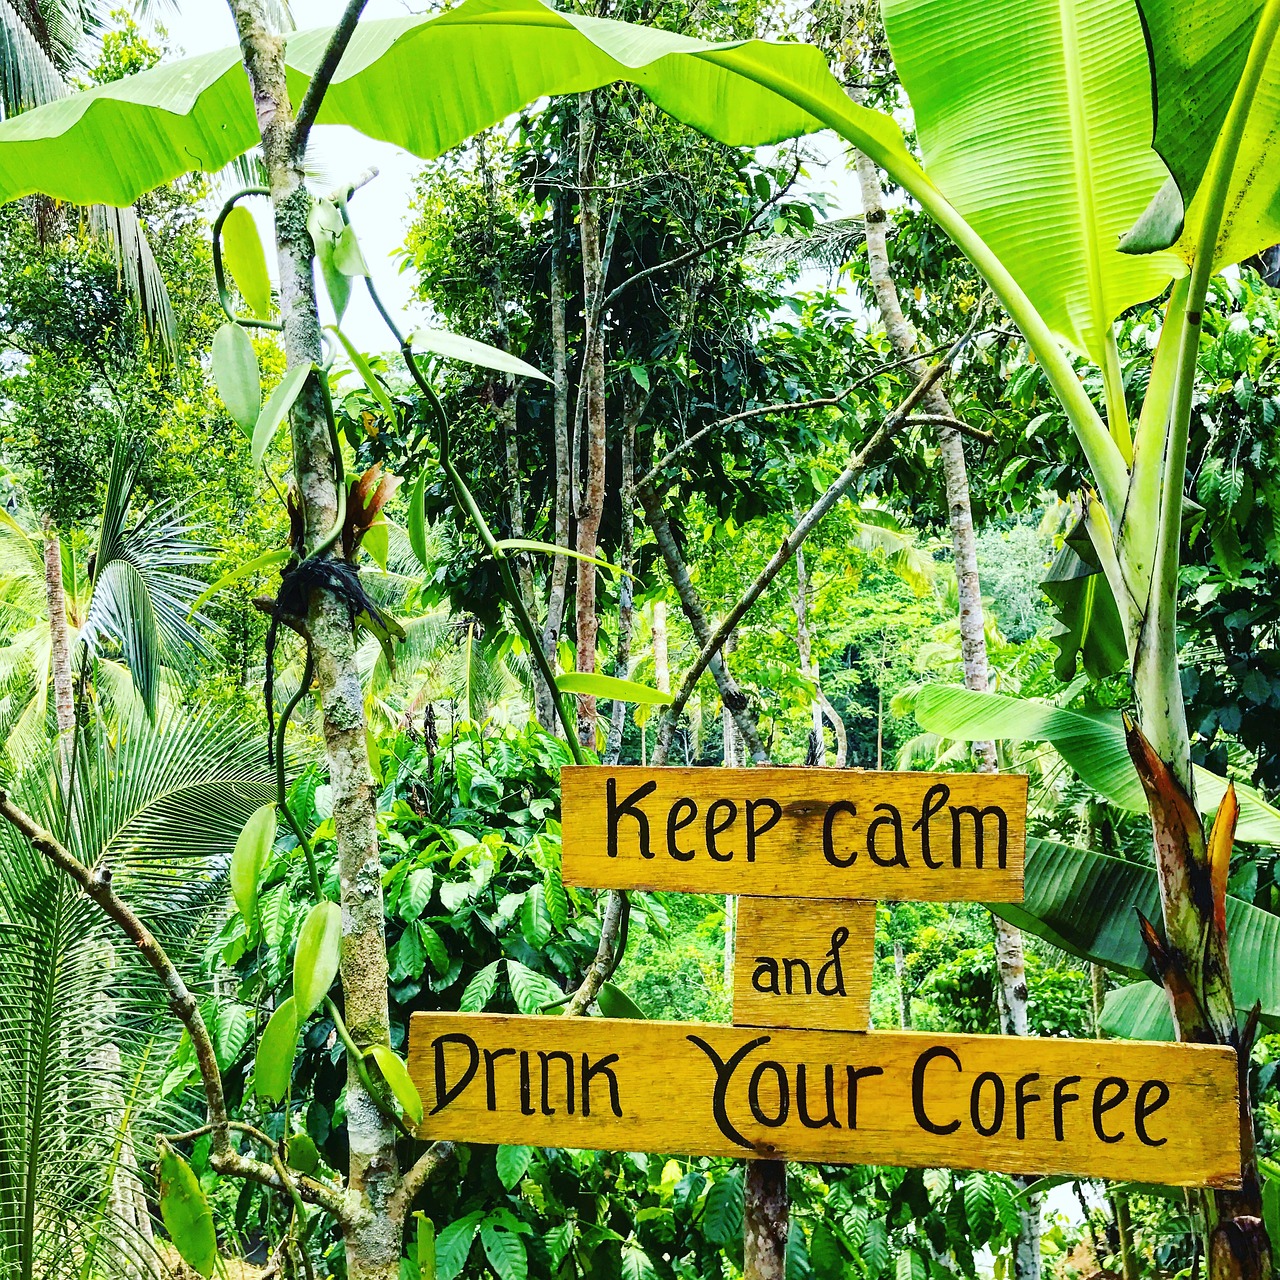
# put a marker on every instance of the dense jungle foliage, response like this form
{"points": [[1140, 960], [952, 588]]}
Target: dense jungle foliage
{"points": [[709, 325]]}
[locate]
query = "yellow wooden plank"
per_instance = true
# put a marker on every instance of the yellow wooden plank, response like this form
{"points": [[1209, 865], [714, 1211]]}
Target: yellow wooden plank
{"points": [[1164, 1113], [811, 833], [803, 962]]}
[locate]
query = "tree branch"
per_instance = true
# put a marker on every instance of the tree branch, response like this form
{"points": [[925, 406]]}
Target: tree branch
{"points": [[945, 420], [427, 1165], [96, 884], [323, 75]]}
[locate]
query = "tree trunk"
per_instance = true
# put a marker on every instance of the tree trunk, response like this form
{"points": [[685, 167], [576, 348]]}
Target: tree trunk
{"points": [[661, 661], [1012, 983], [560, 430], [592, 506], [372, 1238], [64, 692], [766, 1221], [817, 752], [626, 583], [904, 996]]}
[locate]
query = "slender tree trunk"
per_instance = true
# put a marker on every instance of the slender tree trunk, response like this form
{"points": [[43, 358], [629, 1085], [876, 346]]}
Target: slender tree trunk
{"points": [[626, 584], [661, 662], [1012, 982], [560, 430], [817, 752], [592, 506], [373, 1238], [64, 692], [904, 996], [766, 1222]]}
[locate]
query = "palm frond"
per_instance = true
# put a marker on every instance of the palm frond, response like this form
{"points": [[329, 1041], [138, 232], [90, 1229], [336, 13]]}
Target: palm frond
{"points": [[830, 246], [139, 271]]}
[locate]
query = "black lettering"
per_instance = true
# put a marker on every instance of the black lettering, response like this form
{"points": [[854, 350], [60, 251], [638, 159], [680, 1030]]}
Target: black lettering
{"points": [[714, 828], [979, 817], [724, 1076], [766, 966], [934, 799], [444, 1093], [546, 1059], [854, 1075], [917, 1089], [526, 1085], [828, 837], [676, 823], [1020, 1100], [1060, 1099], [802, 1098], [491, 1089], [839, 936], [628, 809], [752, 830], [784, 1094], [601, 1068], [1143, 1109], [997, 1109], [894, 820], [1102, 1104], [803, 965]]}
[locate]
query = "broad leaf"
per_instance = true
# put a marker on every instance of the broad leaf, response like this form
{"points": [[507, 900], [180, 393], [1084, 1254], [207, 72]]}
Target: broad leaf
{"points": [[587, 682], [396, 1074], [264, 561], [479, 991], [186, 1213], [453, 346], [315, 962], [1037, 130], [1091, 742], [636, 1264], [1198, 51], [505, 1251], [236, 375], [1087, 904], [556, 898], [244, 257], [615, 1003], [453, 1244], [722, 1214], [273, 1065], [367, 375], [326, 225], [551, 549], [417, 522], [277, 409], [1088, 623], [535, 919], [416, 893], [532, 991], [1139, 1011], [512, 1164], [253, 847]]}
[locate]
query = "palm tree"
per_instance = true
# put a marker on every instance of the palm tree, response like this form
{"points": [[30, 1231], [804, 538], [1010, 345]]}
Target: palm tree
{"points": [[87, 1049]]}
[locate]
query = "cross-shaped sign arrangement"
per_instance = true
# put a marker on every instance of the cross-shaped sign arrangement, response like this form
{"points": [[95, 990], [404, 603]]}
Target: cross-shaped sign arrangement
{"points": [[798, 1076]]}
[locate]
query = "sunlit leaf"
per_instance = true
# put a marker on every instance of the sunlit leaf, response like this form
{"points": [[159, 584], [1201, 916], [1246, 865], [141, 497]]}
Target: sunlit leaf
{"points": [[315, 962], [273, 1065], [236, 375], [277, 409], [186, 1213], [252, 850]]}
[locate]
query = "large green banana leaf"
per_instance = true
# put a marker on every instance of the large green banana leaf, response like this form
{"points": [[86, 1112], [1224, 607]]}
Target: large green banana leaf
{"points": [[1198, 52], [425, 84], [1139, 1011], [1087, 904], [1034, 117], [1092, 743]]}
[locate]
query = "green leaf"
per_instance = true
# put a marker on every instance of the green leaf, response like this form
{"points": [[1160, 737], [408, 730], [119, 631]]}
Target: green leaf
{"points": [[1086, 903], [1092, 743], [396, 1074], [433, 945], [722, 1214], [273, 1066], [1139, 1011], [505, 1251], [531, 990], [1088, 622], [325, 225], [479, 991], [588, 682], [346, 254], [979, 1208], [377, 542], [244, 257], [253, 848], [615, 1003], [911, 1266], [453, 1245], [1271, 1204], [302, 1153], [453, 346], [236, 375], [552, 549], [512, 1164], [535, 919], [1198, 51], [315, 962], [426, 1247], [1038, 134], [264, 561], [636, 1264], [556, 898], [416, 893], [826, 1257], [875, 1248], [417, 522], [186, 1213], [370, 379], [277, 409]]}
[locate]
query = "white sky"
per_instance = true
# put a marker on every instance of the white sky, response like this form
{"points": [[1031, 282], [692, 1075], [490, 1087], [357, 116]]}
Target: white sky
{"points": [[380, 211]]}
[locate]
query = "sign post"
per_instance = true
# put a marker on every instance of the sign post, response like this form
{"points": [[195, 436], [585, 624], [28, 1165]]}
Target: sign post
{"points": [[799, 1076]]}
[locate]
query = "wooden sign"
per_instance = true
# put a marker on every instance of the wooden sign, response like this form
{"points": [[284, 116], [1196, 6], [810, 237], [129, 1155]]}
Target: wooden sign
{"points": [[813, 833], [1164, 1113], [803, 962]]}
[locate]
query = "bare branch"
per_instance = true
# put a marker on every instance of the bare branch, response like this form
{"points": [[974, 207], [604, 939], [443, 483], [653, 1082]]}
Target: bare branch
{"points": [[323, 75], [431, 1162], [605, 961], [96, 884], [954, 424]]}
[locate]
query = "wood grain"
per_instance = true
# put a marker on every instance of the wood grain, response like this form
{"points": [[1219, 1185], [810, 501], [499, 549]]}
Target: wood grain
{"points": [[803, 962], [904, 1098], [812, 833]]}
